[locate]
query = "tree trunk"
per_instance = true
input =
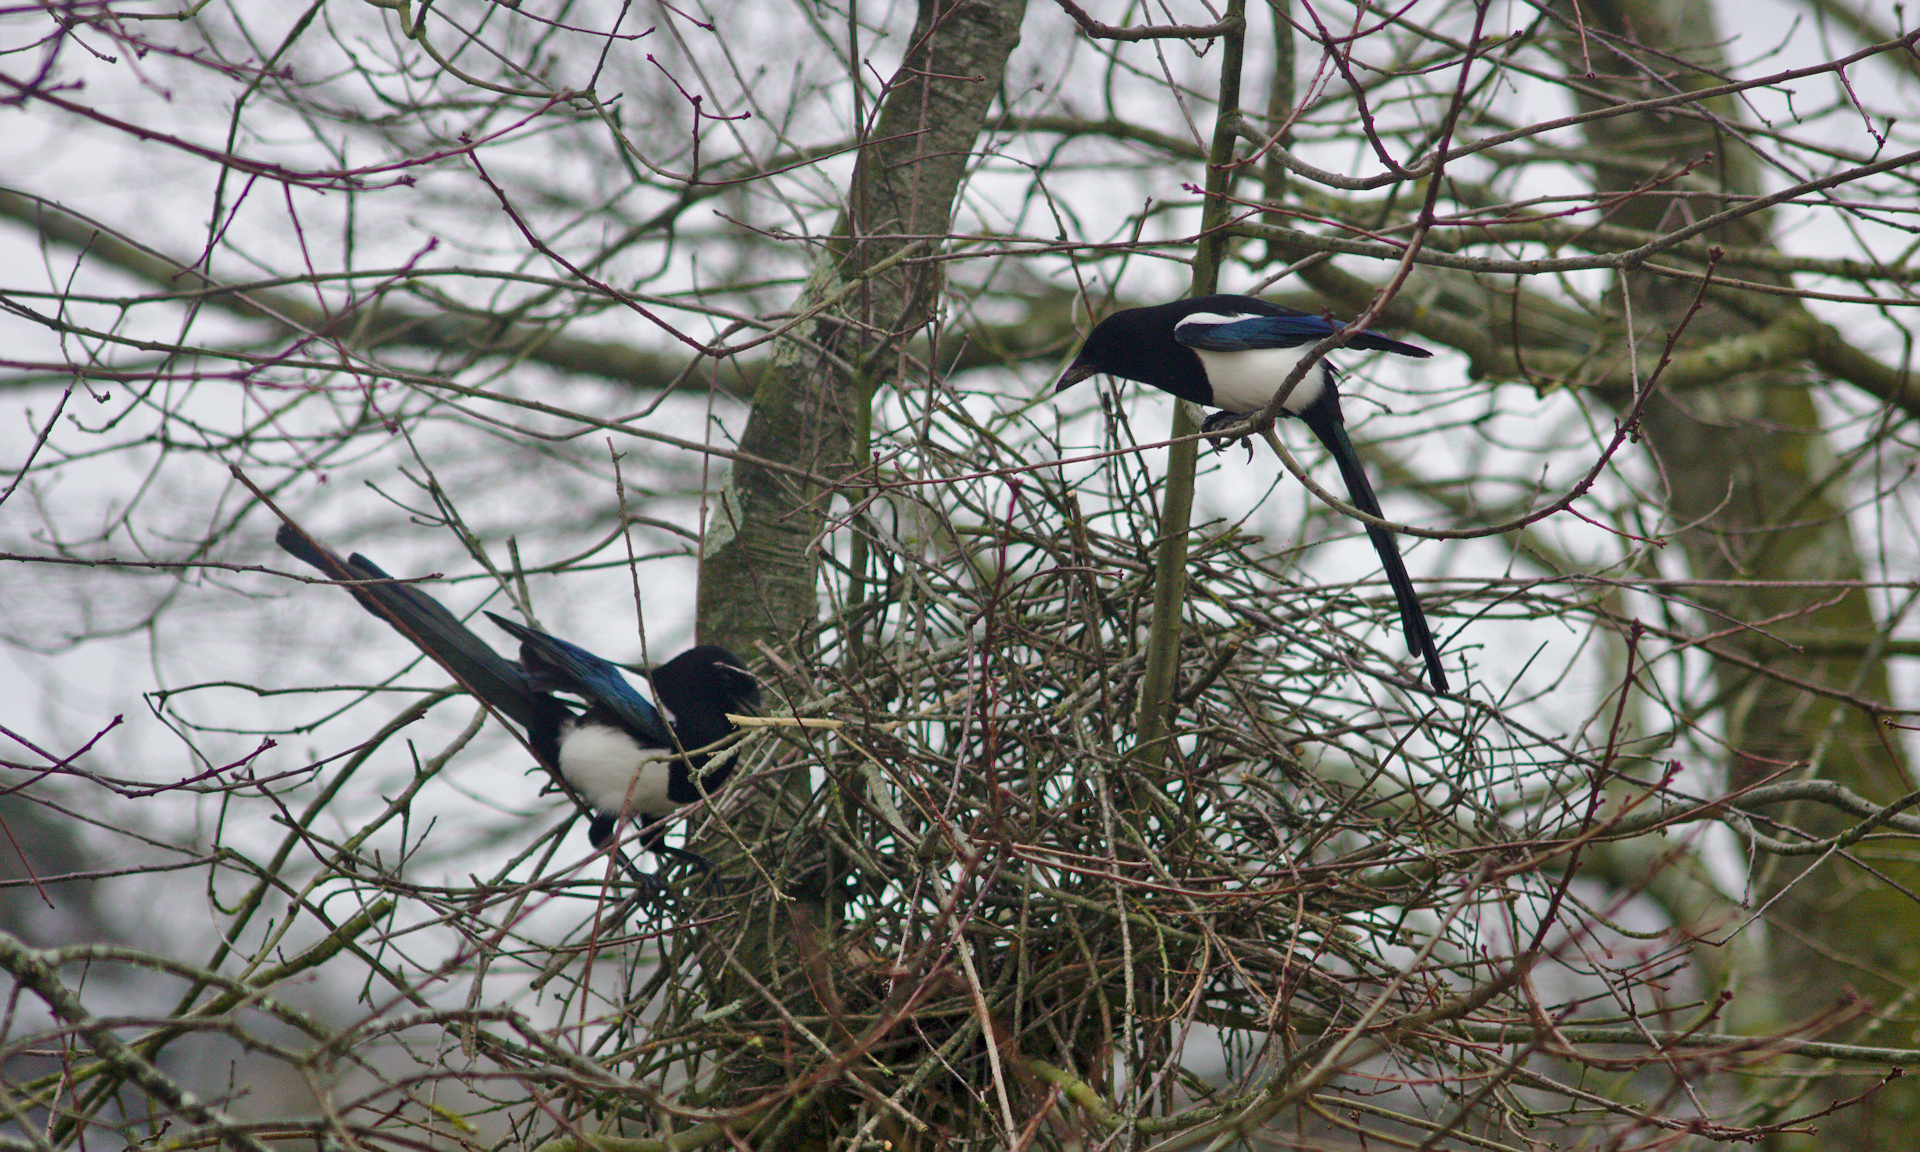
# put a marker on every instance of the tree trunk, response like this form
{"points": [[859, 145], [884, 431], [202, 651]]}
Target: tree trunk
{"points": [[873, 290], [1752, 488]]}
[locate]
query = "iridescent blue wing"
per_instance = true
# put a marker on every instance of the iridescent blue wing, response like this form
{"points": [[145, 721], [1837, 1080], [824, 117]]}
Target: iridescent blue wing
{"points": [[564, 667], [1294, 330]]}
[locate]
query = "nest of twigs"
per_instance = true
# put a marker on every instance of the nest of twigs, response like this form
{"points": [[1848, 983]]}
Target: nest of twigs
{"points": [[956, 890]]}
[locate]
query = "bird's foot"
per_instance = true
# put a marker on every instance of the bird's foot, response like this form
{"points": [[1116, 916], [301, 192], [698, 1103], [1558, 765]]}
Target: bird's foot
{"points": [[1211, 426], [664, 851], [648, 887]]}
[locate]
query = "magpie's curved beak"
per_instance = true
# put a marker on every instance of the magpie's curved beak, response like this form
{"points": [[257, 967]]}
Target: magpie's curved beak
{"points": [[1079, 370]]}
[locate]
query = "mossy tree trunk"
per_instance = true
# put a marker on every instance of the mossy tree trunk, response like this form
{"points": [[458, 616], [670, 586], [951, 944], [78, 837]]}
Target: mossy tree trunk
{"points": [[874, 290], [1754, 493]]}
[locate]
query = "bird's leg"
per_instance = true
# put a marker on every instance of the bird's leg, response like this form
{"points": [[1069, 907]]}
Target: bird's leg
{"points": [[600, 834]]}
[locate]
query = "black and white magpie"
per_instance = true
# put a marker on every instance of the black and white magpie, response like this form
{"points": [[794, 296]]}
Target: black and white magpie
{"points": [[622, 755], [1233, 353]]}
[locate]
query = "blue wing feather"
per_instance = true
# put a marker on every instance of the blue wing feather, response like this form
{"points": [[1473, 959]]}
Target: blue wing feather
{"points": [[1248, 333], [571, 668]]}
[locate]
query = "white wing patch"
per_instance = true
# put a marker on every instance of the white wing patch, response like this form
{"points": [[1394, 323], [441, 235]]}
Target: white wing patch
{"points": [[1210, 318], [614, 772], [1243, 382]]}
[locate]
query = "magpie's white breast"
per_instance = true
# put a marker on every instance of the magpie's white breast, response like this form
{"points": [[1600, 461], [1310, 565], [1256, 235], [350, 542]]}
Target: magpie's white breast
{"points": [[615, 772]]}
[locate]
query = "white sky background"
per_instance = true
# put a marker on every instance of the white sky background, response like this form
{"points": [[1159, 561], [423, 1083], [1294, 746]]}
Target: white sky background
{"points": [[84, 646]]}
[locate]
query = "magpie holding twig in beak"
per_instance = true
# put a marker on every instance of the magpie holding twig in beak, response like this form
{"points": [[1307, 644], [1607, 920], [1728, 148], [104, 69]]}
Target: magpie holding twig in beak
{"points": [[622, 756], [1233, 353]]}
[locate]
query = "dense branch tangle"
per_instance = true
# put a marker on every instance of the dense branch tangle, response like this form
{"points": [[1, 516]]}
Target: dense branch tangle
{"points": [[1344, 909]]}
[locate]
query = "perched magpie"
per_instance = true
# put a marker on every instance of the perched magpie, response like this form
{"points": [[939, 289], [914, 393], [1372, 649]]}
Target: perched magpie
{"points": [[1233, 353], [622, 755]]}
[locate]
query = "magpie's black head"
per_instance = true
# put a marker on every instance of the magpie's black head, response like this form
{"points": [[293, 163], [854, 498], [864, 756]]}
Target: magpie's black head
{"points": [[700, 686], [1138, 344], [1106, 348]]}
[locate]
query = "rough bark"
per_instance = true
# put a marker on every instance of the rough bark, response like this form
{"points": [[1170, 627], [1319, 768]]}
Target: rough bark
{"points": [[873, 291]]}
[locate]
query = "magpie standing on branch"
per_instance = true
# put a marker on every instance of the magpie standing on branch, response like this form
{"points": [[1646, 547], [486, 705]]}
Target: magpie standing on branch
{"points": [[621, 755], [1233, 353]]}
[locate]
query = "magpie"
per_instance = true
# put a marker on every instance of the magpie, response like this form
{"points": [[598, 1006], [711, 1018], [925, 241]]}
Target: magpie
{"points": [[622, 754], [1233, 353]]}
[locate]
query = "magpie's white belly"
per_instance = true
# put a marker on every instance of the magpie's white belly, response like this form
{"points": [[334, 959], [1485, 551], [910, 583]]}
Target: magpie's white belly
{"points": [[614, 771], [1243, 382]]}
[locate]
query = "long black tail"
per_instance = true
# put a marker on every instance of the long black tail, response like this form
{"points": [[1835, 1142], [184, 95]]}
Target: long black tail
{"points": [[1323, 417], [435, 631], [482, 671]]}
